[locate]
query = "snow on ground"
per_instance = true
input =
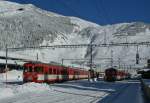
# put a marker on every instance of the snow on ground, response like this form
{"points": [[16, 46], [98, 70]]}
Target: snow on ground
{"points": [[10, 90], [6, 92], [37, 93], [11, 76], [83, 91], [69, 92], [78, 91]]}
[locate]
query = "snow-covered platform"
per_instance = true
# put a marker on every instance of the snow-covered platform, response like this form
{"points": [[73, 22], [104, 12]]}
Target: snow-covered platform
{"points": [[69, 92], [14, 91], [79, 91]]}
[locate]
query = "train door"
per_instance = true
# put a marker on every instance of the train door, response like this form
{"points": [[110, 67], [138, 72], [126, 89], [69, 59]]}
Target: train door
{"points": [[46, 77], [58, 74], [54, 74], [65, 73], [39, 73], [50, 72], [46, 74]]}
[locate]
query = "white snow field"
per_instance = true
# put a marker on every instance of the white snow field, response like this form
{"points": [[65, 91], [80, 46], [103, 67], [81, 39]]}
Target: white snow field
{"points": [[26, 25], [12, 76], [68, 92]]}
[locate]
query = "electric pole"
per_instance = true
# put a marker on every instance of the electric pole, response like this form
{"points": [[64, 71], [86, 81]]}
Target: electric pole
{"points": [[6, 63], [6, 56], [62, 62], [91, 56], [137, 56], [119, 62], [37, 56], [111, 58]]}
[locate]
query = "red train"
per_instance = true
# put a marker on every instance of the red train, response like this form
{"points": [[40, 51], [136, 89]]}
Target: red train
{"points": [[112, 74], [50, 73]]}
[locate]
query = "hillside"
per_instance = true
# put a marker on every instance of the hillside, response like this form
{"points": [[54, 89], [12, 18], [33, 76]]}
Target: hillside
{"points": [[27, 25]]}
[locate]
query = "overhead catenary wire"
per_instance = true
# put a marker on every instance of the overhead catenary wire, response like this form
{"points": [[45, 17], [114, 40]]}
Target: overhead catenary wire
{"points": [[81, 45]]}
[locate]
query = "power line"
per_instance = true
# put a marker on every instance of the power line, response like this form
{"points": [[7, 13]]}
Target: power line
{"points": [[83, 45], [91, 45]]}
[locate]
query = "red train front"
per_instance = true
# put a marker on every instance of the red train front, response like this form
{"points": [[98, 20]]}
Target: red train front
{"points": [[40, 72], [112, 74]]}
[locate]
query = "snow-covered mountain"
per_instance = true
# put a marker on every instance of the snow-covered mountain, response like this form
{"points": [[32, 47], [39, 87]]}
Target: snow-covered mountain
{"points": [[27, 25]]}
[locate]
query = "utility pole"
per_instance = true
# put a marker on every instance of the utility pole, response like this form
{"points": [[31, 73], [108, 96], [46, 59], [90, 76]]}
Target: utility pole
{"points": [[91, 75], [6, 67], [111, 58], [6, 56], [91, 56], [62, 62], [124, 66], [137, 56], [119, 62], [37, 56]]}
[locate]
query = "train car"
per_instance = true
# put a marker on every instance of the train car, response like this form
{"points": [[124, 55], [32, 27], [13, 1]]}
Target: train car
{"points": [[110, 74], [121, 75], [83, 74], [41, 72]]}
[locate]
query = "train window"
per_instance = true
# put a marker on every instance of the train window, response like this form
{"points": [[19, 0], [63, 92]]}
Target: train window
{"points": [[54, 71], [38, 69], [30, 69], [25, 69], [62, 72], [50, 71], [58, 71]]}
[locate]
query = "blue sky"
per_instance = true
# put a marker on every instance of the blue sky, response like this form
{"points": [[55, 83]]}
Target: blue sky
{"points": [[99, 11]]}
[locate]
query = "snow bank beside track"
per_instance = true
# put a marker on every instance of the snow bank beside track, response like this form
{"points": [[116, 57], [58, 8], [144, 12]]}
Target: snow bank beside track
{"points": [[12, 86], [12, 76], [32, 87], [12, 90], [55, 92], [39, 92]]}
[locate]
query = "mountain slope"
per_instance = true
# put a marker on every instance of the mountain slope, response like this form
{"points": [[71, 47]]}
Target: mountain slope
{"points": [[27, 25]]}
